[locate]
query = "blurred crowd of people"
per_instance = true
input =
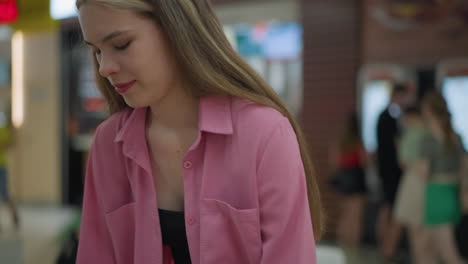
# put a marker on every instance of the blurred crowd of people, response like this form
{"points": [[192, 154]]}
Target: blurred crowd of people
{"points": [[423, 174]]}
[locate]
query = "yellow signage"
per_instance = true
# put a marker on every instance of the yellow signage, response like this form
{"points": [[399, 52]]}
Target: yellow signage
{"points": [[34, 15]]}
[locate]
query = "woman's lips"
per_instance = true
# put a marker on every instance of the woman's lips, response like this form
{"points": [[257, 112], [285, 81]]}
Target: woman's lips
{"points": [[124, 87]]}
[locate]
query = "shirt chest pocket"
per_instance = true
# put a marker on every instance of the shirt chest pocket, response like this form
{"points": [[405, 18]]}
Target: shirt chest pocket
{"points": [[229, 235], [121, 223]]}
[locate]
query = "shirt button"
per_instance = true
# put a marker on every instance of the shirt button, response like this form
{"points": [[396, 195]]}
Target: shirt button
{"points": [[187, 164], [191, 221]]}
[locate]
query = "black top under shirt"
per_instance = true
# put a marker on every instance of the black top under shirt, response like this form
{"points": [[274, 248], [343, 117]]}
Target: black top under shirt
{"points": [[174, 235]]}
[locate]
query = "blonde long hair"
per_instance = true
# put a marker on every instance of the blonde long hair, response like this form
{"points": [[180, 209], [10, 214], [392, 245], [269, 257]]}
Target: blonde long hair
{"points": [[438, 107], [212, 66], [350, 137]]}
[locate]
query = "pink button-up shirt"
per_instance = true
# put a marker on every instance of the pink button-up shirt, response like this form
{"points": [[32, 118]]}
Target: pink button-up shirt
{"points": [[244, 187]]}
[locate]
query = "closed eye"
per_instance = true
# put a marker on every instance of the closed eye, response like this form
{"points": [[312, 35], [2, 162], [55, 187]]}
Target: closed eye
{"points": [[123, 47]]}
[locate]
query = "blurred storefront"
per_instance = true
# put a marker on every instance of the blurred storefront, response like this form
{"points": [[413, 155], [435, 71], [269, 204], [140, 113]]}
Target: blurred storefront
{"points": [[31, 96], [268, 34], [353, 52], [410, 43]]}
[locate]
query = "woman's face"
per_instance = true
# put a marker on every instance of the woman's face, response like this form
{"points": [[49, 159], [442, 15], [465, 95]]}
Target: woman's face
{"points": [[132, 52]]}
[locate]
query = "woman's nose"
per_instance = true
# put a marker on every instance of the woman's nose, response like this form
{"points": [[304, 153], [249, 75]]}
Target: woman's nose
{"points": [[108, 66]]}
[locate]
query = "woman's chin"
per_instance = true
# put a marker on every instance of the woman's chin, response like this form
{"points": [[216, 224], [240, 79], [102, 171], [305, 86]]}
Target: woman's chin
{"points": [[134, 103]]}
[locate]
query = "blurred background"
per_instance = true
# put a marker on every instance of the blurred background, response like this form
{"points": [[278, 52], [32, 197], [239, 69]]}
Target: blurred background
{"points": [[325, 58]]}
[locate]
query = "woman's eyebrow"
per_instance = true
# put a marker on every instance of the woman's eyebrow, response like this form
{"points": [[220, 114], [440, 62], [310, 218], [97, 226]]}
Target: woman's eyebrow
{"points": [[109, 36]]}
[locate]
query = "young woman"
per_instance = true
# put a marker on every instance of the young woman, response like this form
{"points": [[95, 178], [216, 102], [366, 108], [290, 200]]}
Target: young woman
{"points": [[349, 159], [442, 166], [200, 162], [409, 203]]}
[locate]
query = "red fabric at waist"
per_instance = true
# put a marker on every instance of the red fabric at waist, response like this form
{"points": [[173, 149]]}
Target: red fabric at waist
{"points": [[349, 160]]}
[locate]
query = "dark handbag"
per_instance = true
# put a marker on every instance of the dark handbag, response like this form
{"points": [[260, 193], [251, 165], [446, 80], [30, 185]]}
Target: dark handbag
{"points": [[349, 180]]}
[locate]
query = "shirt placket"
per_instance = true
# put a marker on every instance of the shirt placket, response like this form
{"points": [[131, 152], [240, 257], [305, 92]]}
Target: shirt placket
{"points": [[190, 168]]}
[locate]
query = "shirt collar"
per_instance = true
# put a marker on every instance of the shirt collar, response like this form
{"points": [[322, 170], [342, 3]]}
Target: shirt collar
{"points": [[214, 117]]}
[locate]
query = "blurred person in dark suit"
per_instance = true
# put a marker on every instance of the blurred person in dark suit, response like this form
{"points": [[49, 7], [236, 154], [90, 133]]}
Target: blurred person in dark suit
{"points": [[388, 131]]}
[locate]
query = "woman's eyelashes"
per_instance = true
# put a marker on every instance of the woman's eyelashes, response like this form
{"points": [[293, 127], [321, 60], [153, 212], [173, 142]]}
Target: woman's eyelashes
{"points": [[97, 52], [124, 46]]}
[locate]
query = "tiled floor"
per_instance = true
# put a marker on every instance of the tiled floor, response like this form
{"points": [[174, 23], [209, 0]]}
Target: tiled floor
{"points": [[38, 240], [327, 254]]}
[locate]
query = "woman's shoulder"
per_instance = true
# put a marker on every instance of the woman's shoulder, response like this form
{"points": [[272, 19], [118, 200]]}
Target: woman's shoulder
{"points": [[249, 114], [255, 124]]}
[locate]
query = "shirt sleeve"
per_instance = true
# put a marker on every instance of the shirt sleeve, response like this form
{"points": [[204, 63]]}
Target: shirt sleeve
{"points": [[286, 225], [95, 245]]}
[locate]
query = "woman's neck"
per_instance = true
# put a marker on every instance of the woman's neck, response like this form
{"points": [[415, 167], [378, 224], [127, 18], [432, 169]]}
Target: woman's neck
{"points": [[177, 111]]}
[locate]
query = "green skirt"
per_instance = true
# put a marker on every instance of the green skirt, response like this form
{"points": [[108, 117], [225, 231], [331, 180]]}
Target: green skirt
{"points": [[442, 205]]}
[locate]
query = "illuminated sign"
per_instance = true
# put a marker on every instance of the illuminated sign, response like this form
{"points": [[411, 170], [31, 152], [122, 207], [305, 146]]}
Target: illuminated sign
{"points": [[8, 11]]}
